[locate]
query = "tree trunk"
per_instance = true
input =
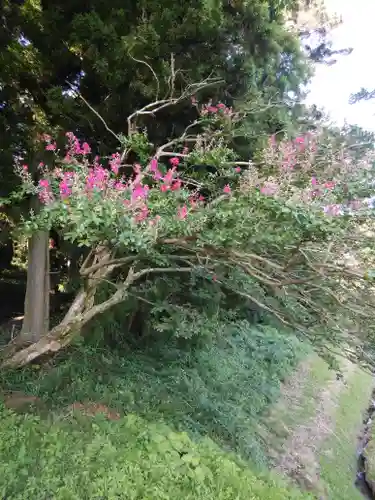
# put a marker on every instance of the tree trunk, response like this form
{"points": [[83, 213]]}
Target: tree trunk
{"points": [[79, 314], [36, 315]]}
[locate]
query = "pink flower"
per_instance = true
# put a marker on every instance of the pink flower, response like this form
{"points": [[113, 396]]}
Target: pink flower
{"points": [[51, 147], [315, 193], [73, 147], [182, 212], [140, 192], [272, 141], [314, 182], [169, 176], [85, 149], [164, 188], [46, 138], [174, 161], [221, 105], [329, 185], [333, 210], [45, 195], [153, 222], [289, 160], [119, 186], [176, 185], [212, 109], [355, 205], [193, 201], [154, 165], [77, 148], [238, 170], [65, 190], [115, 163], [25, 168], [269, 188], [154, 168], [227, 189], [300, 141], [44, 183], [97, 178], [142, 215]]}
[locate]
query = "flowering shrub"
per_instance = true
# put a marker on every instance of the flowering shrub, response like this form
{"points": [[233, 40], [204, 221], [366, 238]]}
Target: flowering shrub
{"points": [[306, 171], [95, 203], [261, 232]]}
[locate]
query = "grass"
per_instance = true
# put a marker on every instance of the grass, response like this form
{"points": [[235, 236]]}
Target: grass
{"points": [[218, 390], [338, 458], [69, 458], [298, 405], [201, 402], [335, 455]]}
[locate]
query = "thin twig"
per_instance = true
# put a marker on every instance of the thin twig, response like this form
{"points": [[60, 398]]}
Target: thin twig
{"points": [[94, 111]]}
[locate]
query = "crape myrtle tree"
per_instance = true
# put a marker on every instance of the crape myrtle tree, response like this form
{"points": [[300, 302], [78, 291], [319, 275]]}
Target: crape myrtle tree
{"points": [[118, 56], [273, 234]]}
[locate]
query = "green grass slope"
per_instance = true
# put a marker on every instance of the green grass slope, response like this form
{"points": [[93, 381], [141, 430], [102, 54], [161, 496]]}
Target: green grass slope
{"points": [[218, 390], [76, 458]]}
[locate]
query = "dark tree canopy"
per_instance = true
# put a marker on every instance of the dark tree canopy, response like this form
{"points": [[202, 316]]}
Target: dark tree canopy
{"points": [[119, 57]]}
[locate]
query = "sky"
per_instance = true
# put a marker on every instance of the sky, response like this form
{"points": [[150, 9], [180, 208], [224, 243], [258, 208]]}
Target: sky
{"points": [[332, 85]]}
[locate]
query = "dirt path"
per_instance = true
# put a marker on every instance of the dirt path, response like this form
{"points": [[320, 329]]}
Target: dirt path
{"points": [[300, 457]]}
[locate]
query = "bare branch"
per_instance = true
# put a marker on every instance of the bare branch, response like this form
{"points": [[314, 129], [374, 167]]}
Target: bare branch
{"points": [[156, 106], [152, 71], [94, 111], [109, 263], [154, 270]]}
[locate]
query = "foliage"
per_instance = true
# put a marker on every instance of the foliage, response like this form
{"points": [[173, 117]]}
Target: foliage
{"points": [[218, 389], [338, 463], [313, 22], [74, 458], [154, 220], [120, 57], [362, 95]]}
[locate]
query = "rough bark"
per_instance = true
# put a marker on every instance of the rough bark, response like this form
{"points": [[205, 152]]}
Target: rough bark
{"points": [[80, 312], [96, 269], [36, 314], [62, 334]]}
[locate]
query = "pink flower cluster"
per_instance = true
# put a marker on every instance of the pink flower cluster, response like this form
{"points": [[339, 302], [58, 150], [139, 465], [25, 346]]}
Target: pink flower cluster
{"points": [[62, 184], [289, 154], [219, 109], [286, 156]]}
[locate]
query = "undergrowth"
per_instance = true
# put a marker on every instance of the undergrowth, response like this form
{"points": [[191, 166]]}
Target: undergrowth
{"points": [[75, 458], [218, 390]]}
